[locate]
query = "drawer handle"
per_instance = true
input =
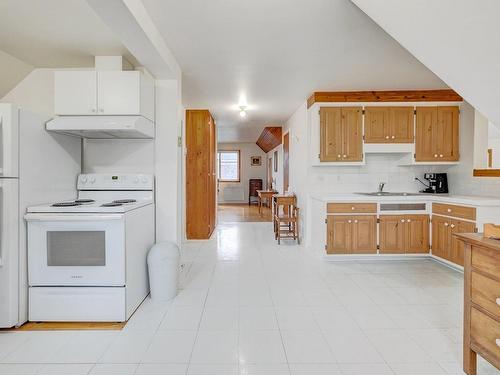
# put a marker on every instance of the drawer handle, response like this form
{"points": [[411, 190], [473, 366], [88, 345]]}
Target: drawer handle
{"points": [[446, 224], [449, 210], [498, 301], [353, 208], [435, 155], [408, 221], [497, 341], [402, 220], [452, 225], [393, 137], [356, 221], [441, 155], [339, 156], [386, 137], [349, 221], [344, 156]]}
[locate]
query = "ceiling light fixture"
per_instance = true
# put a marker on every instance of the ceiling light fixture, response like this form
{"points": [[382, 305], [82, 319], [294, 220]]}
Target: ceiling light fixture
{"points": [[243, 111]]}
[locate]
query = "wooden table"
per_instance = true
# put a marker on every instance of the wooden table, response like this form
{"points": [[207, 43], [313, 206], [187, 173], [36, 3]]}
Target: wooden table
{"points": [[481, 300], [267, 195]]}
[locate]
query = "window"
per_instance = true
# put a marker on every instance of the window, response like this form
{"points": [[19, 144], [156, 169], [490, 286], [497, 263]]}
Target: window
{"points": [[229, 166]]}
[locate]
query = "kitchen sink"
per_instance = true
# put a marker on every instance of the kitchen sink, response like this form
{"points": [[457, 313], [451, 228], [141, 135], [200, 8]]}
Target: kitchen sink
{"points": [[389, 194]]}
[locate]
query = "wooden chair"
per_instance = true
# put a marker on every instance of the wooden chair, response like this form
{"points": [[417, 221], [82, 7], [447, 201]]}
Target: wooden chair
{"points": [[286, 217], [254, 184]]}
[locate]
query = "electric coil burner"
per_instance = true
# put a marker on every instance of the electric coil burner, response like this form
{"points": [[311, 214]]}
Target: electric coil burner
{"points": [[66, 204]]}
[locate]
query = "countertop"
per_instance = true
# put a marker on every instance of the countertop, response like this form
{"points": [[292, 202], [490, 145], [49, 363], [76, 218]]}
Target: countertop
{"points": [[479, 240], [470, 200]]}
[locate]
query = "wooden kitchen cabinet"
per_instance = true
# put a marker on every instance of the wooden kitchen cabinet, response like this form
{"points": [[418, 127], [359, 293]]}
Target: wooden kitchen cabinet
{"points": [[201, 180], [348, 234], [444, 244], [341, 134], [117, 92], [437, 134], [389, 124], [399, 234]]}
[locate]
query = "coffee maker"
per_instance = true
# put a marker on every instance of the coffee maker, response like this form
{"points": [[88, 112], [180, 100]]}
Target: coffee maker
{"points": [[437, 183]]}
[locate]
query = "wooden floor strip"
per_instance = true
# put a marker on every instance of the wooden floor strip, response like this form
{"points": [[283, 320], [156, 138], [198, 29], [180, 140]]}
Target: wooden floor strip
{"points": [[68, 326]]}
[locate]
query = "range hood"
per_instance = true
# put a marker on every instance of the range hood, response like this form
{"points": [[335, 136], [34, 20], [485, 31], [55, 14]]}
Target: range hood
{"points": [[103, 127]]}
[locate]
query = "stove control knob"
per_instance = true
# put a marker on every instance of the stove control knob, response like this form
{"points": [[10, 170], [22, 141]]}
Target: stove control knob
{"points": [[144, 180], [84, 179], [136, 180], [92, 180]]}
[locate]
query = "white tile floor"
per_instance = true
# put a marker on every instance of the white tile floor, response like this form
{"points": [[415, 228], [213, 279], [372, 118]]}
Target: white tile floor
{"points": [[251, 307]]}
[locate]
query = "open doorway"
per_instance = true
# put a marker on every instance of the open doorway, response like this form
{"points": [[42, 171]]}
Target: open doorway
{"points": [[241, 170]]}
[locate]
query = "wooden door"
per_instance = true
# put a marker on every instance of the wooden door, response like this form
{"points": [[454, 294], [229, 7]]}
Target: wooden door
{"points": [[330, 134], [402, 124], [75, 92], [457, 247], [286, 161], [425, 140], [338, 234], [377, 125], [198, 179], [392, 234], [364, 234], [352, 134], [417, 234], [447, 129], [441, 236]]}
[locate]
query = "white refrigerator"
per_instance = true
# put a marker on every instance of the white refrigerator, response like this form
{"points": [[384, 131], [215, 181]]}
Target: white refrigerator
{"points": [[36, 167]]}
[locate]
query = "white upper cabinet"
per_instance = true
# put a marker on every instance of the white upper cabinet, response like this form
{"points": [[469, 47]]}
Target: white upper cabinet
{"points": [[75, 93], [104, 93]]}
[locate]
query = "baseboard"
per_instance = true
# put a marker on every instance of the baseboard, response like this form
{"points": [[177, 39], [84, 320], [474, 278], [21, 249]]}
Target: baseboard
{"points": [[447, 263], [348, 257]]}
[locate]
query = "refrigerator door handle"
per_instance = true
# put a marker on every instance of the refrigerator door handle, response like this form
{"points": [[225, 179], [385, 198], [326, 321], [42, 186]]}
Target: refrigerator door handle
{"points": [[2, 221]]}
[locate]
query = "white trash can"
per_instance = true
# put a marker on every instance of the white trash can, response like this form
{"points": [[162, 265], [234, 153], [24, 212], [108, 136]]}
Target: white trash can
{"points": [[163, 267]]}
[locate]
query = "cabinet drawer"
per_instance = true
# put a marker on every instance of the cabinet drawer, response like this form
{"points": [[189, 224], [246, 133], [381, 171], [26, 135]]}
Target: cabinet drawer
{"points": [[485, 332], [486, 293], [486, 260], [339, 208], [462, 212]]}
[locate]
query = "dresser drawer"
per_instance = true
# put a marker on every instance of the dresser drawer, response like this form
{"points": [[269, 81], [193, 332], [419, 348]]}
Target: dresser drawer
{"points": [[485, 292], [462, 212], [343, 208], [486, 260], [485, 332]]}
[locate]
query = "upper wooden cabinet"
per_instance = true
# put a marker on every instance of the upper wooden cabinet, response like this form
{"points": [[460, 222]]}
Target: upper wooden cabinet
{"points": [[404, 234], [389, 124], [437, 134], [348, 234], [341, 134], [104, 93]]}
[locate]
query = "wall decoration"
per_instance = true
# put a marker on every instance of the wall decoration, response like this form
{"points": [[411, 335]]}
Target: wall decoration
{"points": [[255, 161], [275, 159]]}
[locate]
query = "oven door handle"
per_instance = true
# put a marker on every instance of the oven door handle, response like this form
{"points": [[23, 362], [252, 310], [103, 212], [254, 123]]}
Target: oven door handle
{"points": [[71, 217]]}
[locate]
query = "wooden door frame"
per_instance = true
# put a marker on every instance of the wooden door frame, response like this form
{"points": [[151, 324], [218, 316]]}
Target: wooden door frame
{"points": [[286, 166]]}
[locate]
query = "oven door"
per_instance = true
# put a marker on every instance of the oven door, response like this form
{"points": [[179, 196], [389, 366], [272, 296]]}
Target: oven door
{"points": [[76, 249]]}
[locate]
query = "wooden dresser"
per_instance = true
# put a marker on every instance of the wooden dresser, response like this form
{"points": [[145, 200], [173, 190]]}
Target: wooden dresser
{"points": [[481, 300]]}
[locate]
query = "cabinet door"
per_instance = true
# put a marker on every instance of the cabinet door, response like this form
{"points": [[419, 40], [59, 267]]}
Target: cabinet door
{"points": [[339, 234], [447, 127], [352, 149], [330, 134], [401, 124], [364, 234], [118, 92], [425, 139], [391, 234], [377, 125], [417, 234], [440, 237], [75, 93], [457, 247]]}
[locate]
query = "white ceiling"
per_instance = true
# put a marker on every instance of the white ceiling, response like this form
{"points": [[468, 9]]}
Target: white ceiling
{"points": [[276, 53], [55, 33]]}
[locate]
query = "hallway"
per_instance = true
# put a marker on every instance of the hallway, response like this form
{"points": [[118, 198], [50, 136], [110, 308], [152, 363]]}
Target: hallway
{"points": [[249, 306], [242, 212]]}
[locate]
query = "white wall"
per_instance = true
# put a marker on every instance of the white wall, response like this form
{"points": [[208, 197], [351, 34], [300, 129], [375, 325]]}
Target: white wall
{"points": [[12, 72], [247, 150]]}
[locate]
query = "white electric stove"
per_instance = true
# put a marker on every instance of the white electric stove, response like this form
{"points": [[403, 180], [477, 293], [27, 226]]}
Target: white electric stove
{"points": [[87, 257]]}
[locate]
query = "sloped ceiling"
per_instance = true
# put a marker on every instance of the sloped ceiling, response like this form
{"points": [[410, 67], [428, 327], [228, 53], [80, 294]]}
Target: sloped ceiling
{"points": [[277, 53], [459, 40], [12, 72]]}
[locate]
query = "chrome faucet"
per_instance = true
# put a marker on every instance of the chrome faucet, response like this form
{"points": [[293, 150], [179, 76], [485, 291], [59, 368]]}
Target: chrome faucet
{"points": [[381, 187]]}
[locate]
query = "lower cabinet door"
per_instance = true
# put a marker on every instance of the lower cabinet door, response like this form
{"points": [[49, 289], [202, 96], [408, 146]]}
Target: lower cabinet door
{"points": [[417, 234], [457, 247], [338, 234], [392, 234], [441, 236], [364, 234]]}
